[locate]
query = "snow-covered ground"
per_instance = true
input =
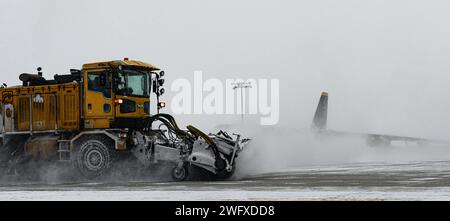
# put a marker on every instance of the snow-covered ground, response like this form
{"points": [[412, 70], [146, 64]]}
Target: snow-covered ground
{"points": [[279, 164], [226, 195], [427, 180]]}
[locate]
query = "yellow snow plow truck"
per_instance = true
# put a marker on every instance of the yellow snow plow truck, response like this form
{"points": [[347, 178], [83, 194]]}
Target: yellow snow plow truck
{"points": [[92, 117]]}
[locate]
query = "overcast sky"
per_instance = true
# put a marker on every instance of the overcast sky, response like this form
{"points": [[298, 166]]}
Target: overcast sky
{"points": [[385, 63]]}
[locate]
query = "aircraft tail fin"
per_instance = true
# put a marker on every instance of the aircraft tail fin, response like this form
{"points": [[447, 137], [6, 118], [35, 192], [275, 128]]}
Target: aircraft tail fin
{"points": [[320, 117]]}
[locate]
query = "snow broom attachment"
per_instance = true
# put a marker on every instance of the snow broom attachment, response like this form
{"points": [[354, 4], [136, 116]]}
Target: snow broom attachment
{"points": [[213, 153], [220, 163]]}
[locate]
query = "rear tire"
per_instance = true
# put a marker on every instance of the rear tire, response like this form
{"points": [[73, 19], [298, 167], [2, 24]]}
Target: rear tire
{"points": [[93, 156]]}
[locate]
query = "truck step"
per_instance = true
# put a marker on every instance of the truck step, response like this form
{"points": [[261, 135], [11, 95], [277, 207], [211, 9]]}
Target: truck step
{"points": [[64, 150]]}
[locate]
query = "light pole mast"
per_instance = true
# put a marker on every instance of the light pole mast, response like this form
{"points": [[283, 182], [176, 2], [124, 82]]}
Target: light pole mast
{"points": [[242, 85]]}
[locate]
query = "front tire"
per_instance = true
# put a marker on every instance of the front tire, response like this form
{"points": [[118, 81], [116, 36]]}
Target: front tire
{"points": [[93, 156], [180, 173]]}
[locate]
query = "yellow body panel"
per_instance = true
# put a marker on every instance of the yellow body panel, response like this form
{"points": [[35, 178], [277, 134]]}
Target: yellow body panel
{"points": [[50, 107], [140, 107]]}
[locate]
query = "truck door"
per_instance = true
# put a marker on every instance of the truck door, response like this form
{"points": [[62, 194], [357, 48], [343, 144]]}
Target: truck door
{"points": [[98, 98]]}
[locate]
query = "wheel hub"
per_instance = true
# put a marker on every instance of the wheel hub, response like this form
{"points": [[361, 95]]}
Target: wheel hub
{"points": [[179, 173], [94, 160]]}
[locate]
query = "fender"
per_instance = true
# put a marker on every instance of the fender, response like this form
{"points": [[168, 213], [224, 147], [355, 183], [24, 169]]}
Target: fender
{"points": [[119, 144]]}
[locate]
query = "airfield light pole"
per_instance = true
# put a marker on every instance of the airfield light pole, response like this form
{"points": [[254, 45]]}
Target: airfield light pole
{"points": [[242, 85]]}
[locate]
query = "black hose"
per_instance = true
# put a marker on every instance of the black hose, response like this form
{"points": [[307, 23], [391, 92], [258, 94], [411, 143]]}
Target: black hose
{"points": [[171, 125]]}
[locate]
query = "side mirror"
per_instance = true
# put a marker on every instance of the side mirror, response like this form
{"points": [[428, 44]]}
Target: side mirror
{"points": [[154, 86], [161, 74], [161, 92]]}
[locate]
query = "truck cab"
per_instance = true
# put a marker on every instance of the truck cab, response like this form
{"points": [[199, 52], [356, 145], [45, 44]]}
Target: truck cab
{"points": [[116, 94]]}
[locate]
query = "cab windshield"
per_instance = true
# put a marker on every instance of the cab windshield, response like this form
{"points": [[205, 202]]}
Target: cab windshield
{"points": [[132, 83]]}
